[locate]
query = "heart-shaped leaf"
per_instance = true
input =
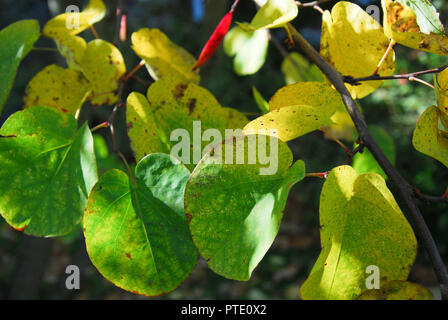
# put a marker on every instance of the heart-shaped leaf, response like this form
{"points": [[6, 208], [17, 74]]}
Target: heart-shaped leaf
{"points": [[354, 43], [236, 209], [47, 171], [274, 14], [361, 226], [137, 234]]}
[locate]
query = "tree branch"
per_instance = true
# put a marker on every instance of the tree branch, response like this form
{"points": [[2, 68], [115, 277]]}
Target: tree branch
{"points": [[405, 191], [407, 76]]}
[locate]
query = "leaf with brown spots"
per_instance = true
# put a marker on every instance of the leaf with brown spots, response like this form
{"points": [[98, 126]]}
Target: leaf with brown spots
{"points": [[174, 105], [63, 89], [401, 23]]}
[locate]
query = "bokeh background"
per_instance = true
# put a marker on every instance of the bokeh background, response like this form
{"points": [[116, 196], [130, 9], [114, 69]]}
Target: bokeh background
{"points": [[34, 268]]}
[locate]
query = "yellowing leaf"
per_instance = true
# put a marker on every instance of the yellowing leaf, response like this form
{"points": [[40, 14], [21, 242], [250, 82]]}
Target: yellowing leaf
{"points": [[397, 290], [428, 139], [361, 226], [274, 14], [442, 92], [103, 65], [320, 96], [400, 24], [175, 105], [58, 26], [72, 49], [63, 89], [289, 122], [163, 58], [354, 43]]}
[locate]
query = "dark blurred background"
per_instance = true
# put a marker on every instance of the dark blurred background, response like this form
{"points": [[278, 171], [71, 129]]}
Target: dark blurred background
{"points": [[34, 268]]}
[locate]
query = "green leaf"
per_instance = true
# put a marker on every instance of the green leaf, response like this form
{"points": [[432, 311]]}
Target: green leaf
{"points": [[427, 16], [262, 104], [172, 105], [249, 48], [17, 41], [428, 139], [274, 14], [361, 225], [397, 290], [236, 209], [48, 169], [137, 235], [296, 68], [365, 162]]}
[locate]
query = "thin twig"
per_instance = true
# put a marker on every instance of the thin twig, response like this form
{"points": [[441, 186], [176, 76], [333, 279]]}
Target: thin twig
{"points": [[100, 126], [386, 54], [407, 76], [404, 189], [335, 139], [94, 31], [133, 71], [428, 198], [321, 175], [112, 131]]}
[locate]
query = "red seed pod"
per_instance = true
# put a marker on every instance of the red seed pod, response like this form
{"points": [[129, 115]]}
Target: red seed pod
{"points": [[123, 28], [216, 38]]}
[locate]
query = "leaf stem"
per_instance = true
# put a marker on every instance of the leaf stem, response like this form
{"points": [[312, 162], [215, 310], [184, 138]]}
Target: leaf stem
{"points": [[100, 126], [94, 31], [386, 54], [335, 139], [133, 71]]}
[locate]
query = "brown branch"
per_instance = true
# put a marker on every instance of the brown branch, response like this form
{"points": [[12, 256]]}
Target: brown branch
{"points": [[407, 76], [404, 190], [428, 198]]}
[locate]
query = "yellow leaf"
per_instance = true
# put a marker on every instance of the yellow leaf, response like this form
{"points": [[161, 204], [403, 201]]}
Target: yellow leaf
{"points": [[163, 58], [400, 24], [318, 95], [428, 139], [441, 86], [361, 225], [170, 105], [103, 65], [274, 14], [397, 290], [63, 89], [72, 49], [354, 43], [57, 27], [289, 122]]}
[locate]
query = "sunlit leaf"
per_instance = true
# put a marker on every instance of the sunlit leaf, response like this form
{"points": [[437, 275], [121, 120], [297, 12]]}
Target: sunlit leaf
{"points": [[63, 89], [66, 23], [249, 48], [137, 235], [428, 139], [397, 290], [16, 40], [274, 14], [72, 48], [163, 58], [405, 27], [361, 225], [172, 105], [426, 15], [354, 43], [103, 65], [236, 209], [48, 169]]}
